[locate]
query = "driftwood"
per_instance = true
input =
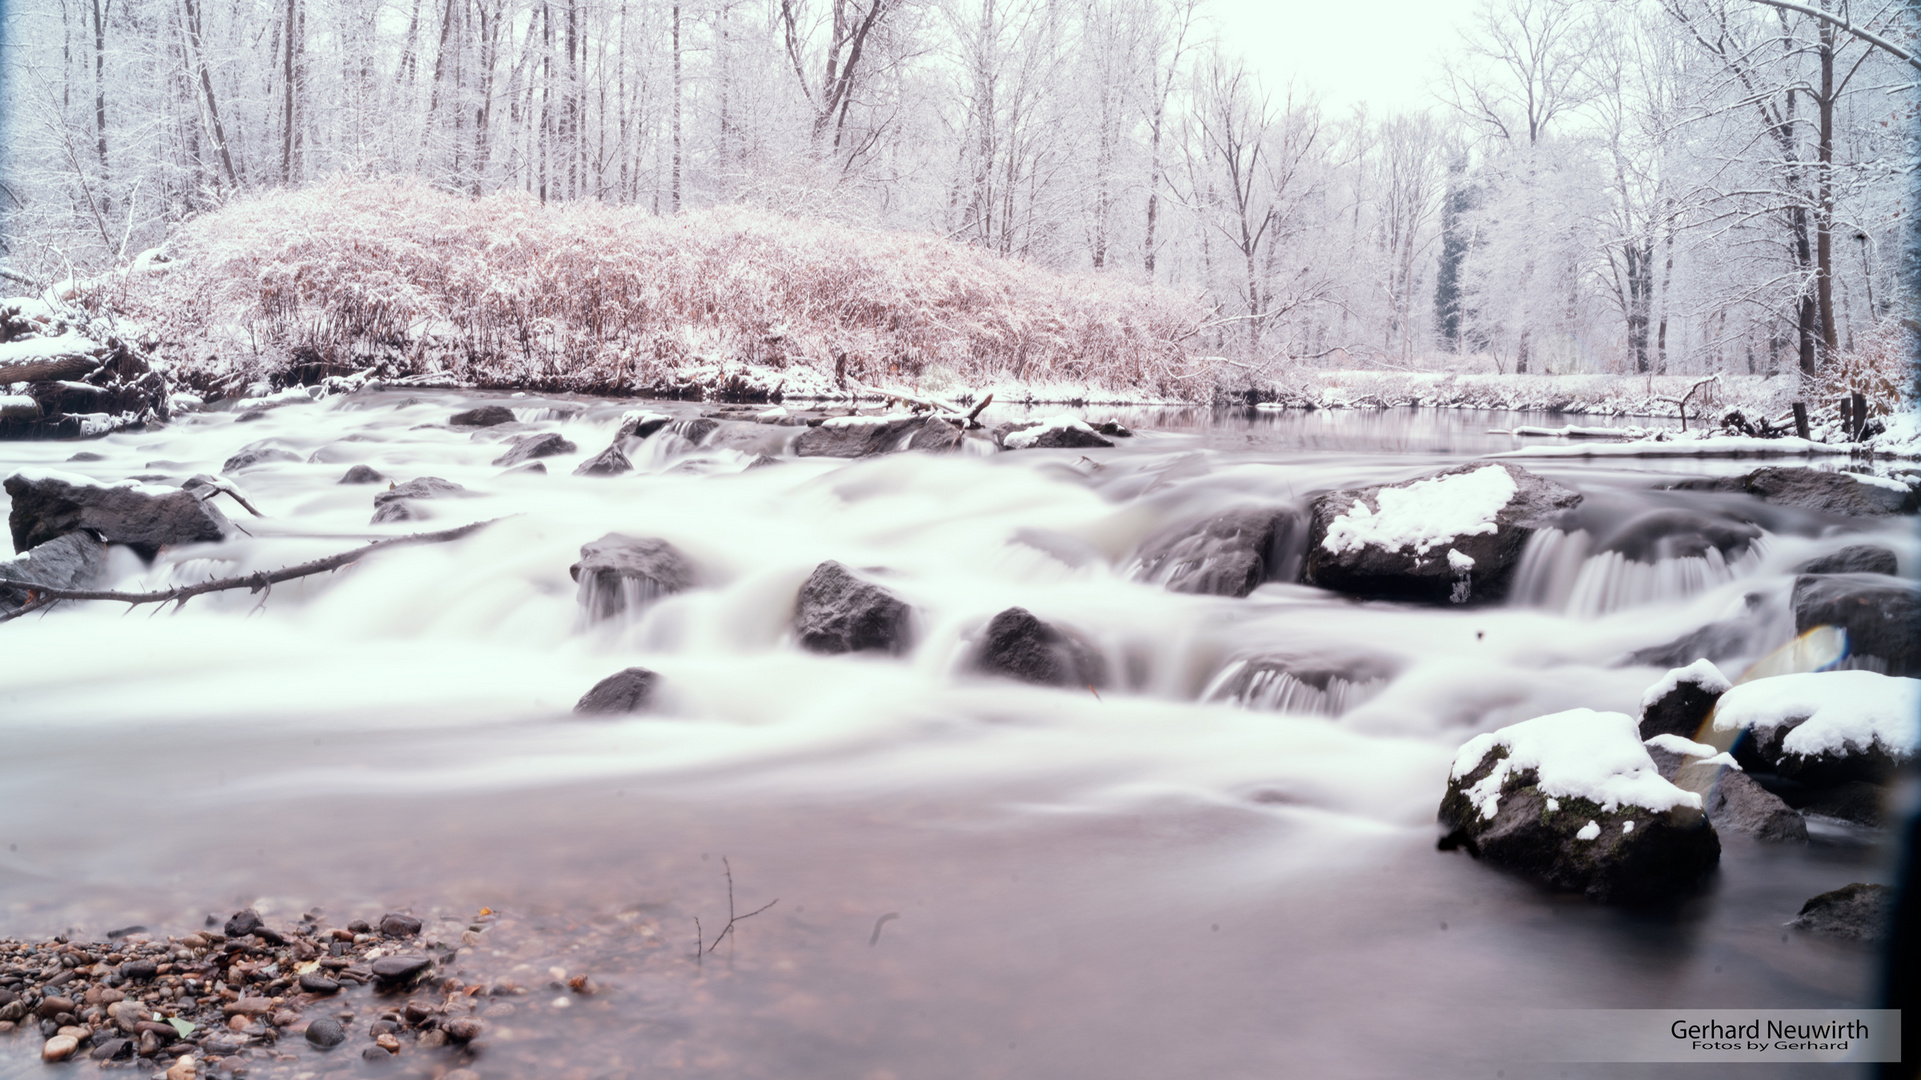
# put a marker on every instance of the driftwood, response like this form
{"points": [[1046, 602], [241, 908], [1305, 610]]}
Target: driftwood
{"points": [[41, 596], [47, 369]]}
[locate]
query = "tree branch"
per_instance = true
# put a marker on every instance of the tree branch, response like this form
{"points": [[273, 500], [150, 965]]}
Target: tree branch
{"points": [[1848, 25]]}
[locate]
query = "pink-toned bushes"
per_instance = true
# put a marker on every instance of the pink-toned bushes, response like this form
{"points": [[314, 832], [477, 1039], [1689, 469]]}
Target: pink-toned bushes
{"points": [[503, 291]]}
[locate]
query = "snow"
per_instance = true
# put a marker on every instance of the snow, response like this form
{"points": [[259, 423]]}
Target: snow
{"points": [[1553, 805], [1423, 514], [1627, 826], [1844, 711], [1461, 563], [18, 401], [48, 348], [1701, 673], [1026, 437], [1676, 744], [34, 475], [778, 412], [1581, 754], [865, 421], [1590, 831], [1710, 446], [1882, 482]]}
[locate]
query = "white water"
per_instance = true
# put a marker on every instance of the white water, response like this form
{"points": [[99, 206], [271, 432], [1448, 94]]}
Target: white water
{"points": [[426, 693]]}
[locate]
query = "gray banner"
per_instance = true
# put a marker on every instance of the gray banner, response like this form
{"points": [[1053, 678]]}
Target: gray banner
{"points": [[1599, 1035]]}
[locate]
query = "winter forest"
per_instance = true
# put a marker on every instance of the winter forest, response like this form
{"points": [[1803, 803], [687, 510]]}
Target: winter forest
{"points": [[1646, 186]]}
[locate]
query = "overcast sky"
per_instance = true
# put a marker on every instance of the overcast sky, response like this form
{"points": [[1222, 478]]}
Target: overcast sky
{"points": [[1385, 52]]}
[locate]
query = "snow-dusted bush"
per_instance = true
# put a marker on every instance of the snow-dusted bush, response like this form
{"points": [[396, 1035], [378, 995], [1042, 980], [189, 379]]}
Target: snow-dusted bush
{"points": [[504, 291], [1606, 395]]}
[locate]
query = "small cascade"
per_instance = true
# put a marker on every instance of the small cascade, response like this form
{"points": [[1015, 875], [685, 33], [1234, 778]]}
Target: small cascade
{"points": [[1561, 572], [1267, 686], [610, 596], [539, 414]]}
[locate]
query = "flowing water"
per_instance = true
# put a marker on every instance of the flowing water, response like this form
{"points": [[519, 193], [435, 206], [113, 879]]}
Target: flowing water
{"points": [[1222, 865]]}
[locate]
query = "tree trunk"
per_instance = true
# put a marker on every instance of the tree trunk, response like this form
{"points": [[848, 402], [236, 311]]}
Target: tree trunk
{"points": [[675, 187], [1824, 210], [100, 104], [206, 88]]}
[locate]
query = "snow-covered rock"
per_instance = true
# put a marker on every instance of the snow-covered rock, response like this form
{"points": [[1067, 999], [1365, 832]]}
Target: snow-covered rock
{"points": [[1062, 432], [1453, 537], [1882, 617], [1820, 490], [1226, 555], [49, 504], [1573, 798], [1825, 727], [1734, 801], [619, 573], [864, 436], [1680, 704]]}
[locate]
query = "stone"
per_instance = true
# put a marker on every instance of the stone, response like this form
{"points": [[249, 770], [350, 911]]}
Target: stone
{"points": [[430, 1039], [609, 462], [1474, 566], [1058, 433], [1818, 490], [393, 504], [529, 447], [1017, 645], [860, 436], [399, 971], [183, 1069], [74, 561], [484, 416], [242, 923], [626, 691], [1226, 555], [1858, 801], [1737, 803], [128, 1015], [112, 1050], [464, 1029], [1854, 559], [325, 1032], [59, 1048], [362, 474], [618, 572], [394, 924], [640, 426], [1681, 703], [315, 983], [837, 612], [54, 1006], [1860, 911], [257, 455], [139, 971], [1882, 617], [49, 505], [248, 1006]]}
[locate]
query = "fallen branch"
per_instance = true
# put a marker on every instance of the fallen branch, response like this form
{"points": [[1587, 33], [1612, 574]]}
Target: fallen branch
{"points": [[731, 917], [1681, 403], [40, 596], [47, 369]]}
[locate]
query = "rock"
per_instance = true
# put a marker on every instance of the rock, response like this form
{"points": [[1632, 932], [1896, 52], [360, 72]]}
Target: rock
{"points": [[314, 982], [242, 923], [257, 455], [1226, 555], [484, 416], [618, 573], [626, 691], [325, 1032], [529, 447], [398, 971], [184, 1069], [639, 425], [865, 436], [1575, 800], [1854, 559], [73, 561], [59, 1048], [609, 462], [394, 924], [1860, 911], [1682, 701], [54, 1006], [1717, 641], [1016, 645], [1063, 432], [464, 1029], [128, 1015], [837, 612], [48, 505], [1737, 803], [392, 504], [112, 1050], [1825, 727], [1856, 801], [1819, 490], [1453, 537], [248, 1006], [362, 474], [139, 971], [1882, 616]]}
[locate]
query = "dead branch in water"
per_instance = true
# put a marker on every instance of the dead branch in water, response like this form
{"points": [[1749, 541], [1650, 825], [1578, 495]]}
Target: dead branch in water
{"points": [[41, 596], [731, 917]]}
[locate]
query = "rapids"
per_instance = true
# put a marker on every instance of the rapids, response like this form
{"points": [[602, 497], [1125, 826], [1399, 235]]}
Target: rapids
{"points": [[1172, 877]]}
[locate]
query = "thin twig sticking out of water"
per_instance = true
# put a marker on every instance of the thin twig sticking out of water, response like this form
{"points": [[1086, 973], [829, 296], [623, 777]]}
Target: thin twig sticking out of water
{"points": [[731, 917]]}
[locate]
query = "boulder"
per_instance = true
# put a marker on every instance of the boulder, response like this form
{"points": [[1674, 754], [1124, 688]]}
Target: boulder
{"points": [[620, 573], [49, 504], [1063, 432], [639, 425], [1824, 728], [1860, 911], [1818, 490], [484, 416], [837, 612], [1854, 559], [1016, 645], [626, 691], [1452, 537], [1856, 801], [362, 474], [1682, 701], [395, 504], [73, 561], [864, 436], [1226, 555], [257, 455], [1574, 800], [1882, 616], [529, 447], [1735, 801], [609, 462]]}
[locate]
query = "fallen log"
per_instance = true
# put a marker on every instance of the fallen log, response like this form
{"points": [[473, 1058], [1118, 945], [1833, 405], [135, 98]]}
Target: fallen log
{"points": [[43, 596], [47, 368]]}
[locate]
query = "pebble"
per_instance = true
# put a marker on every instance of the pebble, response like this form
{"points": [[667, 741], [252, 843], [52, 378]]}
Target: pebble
{"points": [[183, 1069], [395, 970], [53, 1007], [239, 1023], [248, 1006], [59, 1048], [326, 1032], [389, 1043], [112, 1049], [139, 970], [243, 923], [464, 1029], [395, 924]]}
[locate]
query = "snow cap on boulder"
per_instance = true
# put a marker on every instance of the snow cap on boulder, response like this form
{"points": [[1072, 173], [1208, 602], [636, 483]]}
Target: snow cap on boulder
{"points": [[1682, 701], [1826, 727]]}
